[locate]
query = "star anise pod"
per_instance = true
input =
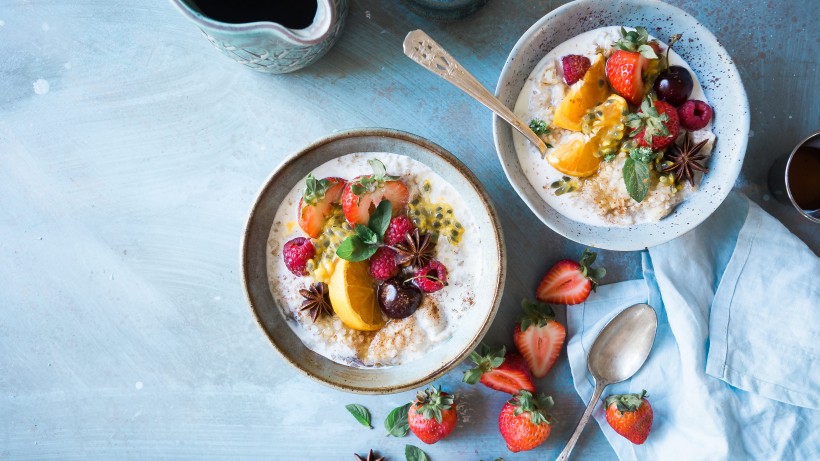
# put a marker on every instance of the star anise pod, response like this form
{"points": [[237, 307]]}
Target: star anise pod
{"points": [[370, 457], [686, 159], [316, 301], [416, 250]]}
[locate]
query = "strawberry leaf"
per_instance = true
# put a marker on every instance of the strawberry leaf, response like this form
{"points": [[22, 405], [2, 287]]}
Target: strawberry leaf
{"points": [[396, 421], [413, 453], [315, 189], [361, 414]]}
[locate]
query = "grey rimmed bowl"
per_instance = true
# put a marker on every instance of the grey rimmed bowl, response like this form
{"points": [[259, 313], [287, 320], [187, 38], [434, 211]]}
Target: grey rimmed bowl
{"points": [[716, 72], [441, 358]]}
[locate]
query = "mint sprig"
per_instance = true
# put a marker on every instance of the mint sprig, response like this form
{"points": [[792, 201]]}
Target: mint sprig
{"points": [[636, 172], [367, 239], [396, 422], [360, 413]]}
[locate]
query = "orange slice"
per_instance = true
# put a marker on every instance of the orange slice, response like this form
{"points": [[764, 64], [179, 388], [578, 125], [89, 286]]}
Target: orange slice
{"points": [[581, 156], [582, 96], [353, 297]]}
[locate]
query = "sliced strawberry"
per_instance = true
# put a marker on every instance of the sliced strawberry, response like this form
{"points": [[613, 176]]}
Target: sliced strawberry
{"points": [[539, 337], [569, 282], [624, 69], [317, 201], [357, 208], [499, 370]]}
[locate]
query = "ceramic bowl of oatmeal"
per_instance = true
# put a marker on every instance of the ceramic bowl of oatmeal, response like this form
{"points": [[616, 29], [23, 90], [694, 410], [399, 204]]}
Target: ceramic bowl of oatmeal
{"points": [[637, 158], [373, 260]]}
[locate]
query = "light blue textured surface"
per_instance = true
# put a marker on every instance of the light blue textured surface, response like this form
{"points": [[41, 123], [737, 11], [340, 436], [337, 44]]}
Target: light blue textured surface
{"points": [[130, 152]]}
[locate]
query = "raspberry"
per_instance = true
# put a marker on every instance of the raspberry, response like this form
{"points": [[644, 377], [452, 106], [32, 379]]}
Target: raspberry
{"points": [[431, 278], [297, 253], [694, 114], [383, 264], [575, 66], [399, 227]]}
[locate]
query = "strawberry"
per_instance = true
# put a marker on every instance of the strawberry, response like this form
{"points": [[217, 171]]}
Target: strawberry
{"points": [[624, 69], [575, 67], [569, 282], [317, 201], [655, 125], [630, 415], [524, 422], [362, 195], [539, 337], [505, 372], [432, 416]]}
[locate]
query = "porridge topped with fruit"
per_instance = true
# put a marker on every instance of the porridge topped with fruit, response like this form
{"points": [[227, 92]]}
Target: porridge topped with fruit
{"points": [[626, 124], [372, 259]]}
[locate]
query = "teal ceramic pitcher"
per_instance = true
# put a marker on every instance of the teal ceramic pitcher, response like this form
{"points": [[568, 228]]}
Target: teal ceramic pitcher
{"points": [[268, 46]]}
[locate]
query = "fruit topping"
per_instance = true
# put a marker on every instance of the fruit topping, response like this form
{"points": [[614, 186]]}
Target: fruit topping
{"points": [[539, 127], [674, 85], [499, 370], [353, 297], [297, 253], [524, 422], [630, 415], [367, 239], [399, 227], [317, 202], [431, 278], [437, 218], [539, 337], [432, 416], [694, 115], [655, 125], [686, 159], [569, 282], [580, 98], [362, 195], [417, 249], [625, 69], [582, 156], [383, 264], [398, 299], [565, 185], [575, 66], [316, 302]]}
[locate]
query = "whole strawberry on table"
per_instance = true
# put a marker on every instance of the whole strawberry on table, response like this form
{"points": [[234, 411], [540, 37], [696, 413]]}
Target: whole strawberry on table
{"points": [[432, 416], [630, 415]]}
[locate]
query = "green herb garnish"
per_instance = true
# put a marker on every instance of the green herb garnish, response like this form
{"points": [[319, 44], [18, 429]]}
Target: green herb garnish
{"points": [[396, 422], [636, 172], [413, 453], [367, 239], [360, 413], [372, 182], [539, 126]]}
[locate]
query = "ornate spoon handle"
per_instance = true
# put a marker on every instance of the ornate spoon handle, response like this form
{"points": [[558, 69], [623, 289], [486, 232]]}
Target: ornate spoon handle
{"points": [[419, 47]]}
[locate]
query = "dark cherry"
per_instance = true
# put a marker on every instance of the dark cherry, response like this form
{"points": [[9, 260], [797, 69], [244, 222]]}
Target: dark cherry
{"points": [[674, 85], [398, 299]]}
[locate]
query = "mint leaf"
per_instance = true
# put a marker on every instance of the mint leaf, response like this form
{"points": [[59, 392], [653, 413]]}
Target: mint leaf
{"points": [[636, 179], [366, 235], [539, 126], [396, 422], [379, 170], [413, 453], [360, 413], [353, 249], [380, 218]]}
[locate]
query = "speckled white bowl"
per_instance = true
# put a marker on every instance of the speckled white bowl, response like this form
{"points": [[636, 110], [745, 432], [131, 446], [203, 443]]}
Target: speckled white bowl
{"points": [[716, 72], [440, 359]]}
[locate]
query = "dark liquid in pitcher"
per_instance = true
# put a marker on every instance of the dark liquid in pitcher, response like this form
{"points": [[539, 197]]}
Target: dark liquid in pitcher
{"points": [[804, 178], [293, 14]]}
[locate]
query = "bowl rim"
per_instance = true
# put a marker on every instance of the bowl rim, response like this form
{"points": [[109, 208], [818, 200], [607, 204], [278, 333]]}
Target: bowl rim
{"points": [[472, 181], [602, 242]]}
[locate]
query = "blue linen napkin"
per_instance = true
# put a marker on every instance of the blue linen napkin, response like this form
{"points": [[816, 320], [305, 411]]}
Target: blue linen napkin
{"points": [[733, 373]]}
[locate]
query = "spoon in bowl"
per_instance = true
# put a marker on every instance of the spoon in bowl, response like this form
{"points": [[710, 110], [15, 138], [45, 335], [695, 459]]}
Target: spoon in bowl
{"points": [[618, 352], [419, 47]]}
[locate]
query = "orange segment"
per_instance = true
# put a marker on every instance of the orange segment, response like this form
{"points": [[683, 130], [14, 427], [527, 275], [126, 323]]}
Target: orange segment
{"points": [[353, 297], [581, 156], [582, 96]]}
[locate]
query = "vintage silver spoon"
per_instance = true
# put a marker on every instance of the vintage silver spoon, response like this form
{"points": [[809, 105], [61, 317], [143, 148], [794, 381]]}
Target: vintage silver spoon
{"points": [[419, 47], [618, 352]]}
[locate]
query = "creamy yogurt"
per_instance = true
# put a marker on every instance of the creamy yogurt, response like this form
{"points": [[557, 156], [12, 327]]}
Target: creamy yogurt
{"points": [[542, 93], [399, 341]]}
